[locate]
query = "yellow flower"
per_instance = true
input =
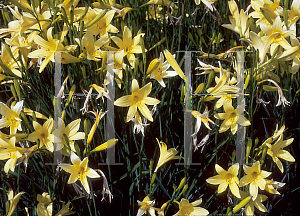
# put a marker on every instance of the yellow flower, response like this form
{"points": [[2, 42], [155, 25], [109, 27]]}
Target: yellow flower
{"points": [[201, 118], [238, 20], [257, 202], [70, 131], [91, 46], [129, 45], [138, 124], [48, 49], [8, 150], [8, 61], [138, 99], [102, 26], [186, 208], [276, 34], [44, 207], [146, 206], [98, 116], [65, 210], [10, 117], [43, 133], [272, 186], [255, 177], [225, 178], [122, 12], [79, 170], [232, 117], [157, 69], [13, 201], [165, 155], [276, 151]]}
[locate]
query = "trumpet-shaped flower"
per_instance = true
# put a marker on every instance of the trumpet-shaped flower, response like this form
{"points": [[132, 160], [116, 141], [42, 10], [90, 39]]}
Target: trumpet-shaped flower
{"points": [[128, 44], [146, 206], [157, 69], [103, 25], [44, 207], [9, 151], [255, 177], [70, 131], [8, 61], [165, 155], [276, 151], [232, 117], [276, 34], [225, 178], [13, 201], [10, 117], [272, 186], [65, 210], [43, 133], [186, 208], [48, 49], [257, 202], [138, 99], [79, 170]]}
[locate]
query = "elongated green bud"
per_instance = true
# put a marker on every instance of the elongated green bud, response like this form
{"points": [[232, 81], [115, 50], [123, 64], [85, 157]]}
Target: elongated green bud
{"points": [[233, 156], [191, 38], [286, 3], [97, 18], [262, 160], [184, 190], [241, 204], [153, 178], [63, 115], [213, 37], [285, 17], [86, 125], [267, 16], [13, 91], [219, 39], [182, 183], [248, 150], [64, 15], [247, 81], [210, 78], [72, 90], [72, 15], [151, 165], [17, 88], [256, 142], [84, 12], [199, 32]]}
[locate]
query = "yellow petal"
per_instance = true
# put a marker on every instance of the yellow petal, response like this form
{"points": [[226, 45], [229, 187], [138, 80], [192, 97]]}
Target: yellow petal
{"points": [[174, 64]]}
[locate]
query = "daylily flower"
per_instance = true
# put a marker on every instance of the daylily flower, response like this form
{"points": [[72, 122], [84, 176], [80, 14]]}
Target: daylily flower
{"points": [[257, 202], [128, 44], [138, 99], [8, 61], [157, 69], [70, 131], [276, 34], [225, 178], [201, 118], [103, 25], [79, 170], [122, 12], [146, 206], [43, 133], [138, 124], [208, 3], [44, 207], [186, 208], [276, 151], [272, 186], [9, 151], [98, 116], [232, 117], [13, 201], [65, 210], [48, 49], [165, 154], [10, 117], [255, 177]]}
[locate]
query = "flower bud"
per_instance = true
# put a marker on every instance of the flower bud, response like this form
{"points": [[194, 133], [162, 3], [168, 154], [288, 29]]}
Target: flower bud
{"points": [[182, 183], [242, 204]]}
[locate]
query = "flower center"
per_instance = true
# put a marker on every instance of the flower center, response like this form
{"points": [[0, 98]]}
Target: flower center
{"points": [[186, 210], [81, 170], [254, 175]]}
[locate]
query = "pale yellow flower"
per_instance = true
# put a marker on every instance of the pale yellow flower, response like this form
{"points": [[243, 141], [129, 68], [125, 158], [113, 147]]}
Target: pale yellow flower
{"points": [[65, 210], [186, 208], [44, 207], [11, 117], [146, 206], [13, 201], [138, 99], [165, 155], [9, 151], [257, 202], [79, 170], [255, 177], [43, 133], [225, 178]]}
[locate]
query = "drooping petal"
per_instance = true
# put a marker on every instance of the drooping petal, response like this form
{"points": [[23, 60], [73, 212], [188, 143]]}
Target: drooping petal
{"points": [[75, 159], [285, 155], [92, 173]]}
